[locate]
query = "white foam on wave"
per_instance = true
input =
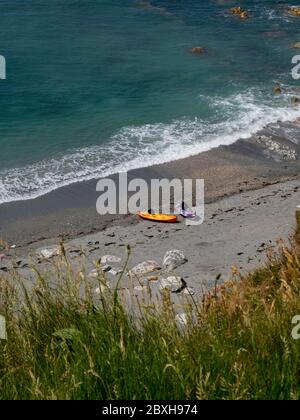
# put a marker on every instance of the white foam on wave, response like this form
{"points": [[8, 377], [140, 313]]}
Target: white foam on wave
{"points": [[147, 145]]}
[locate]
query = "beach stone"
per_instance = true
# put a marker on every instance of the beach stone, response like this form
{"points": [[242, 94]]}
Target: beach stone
{"points": [[49, 252], [102, 289], [95, 273], [110, 259], [140, 288], [173, 259], [144, 268], [181, 319], [188, 291], [114, 272], [172, 283], [3, 334], [152, 278]]}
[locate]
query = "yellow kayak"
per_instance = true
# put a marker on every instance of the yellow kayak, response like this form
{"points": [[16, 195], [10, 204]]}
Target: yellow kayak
{"points": [[165, 218]]}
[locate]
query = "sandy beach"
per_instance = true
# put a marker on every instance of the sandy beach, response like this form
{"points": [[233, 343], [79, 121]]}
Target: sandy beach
{"points": [[250, 197]]}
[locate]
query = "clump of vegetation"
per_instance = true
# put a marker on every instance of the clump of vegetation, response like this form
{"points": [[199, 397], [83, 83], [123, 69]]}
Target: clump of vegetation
{"points": [[63, 343]]}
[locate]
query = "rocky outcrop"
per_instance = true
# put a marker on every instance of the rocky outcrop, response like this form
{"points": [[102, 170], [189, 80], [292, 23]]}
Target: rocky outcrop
{"points": [[295, 11], [242, 13]]}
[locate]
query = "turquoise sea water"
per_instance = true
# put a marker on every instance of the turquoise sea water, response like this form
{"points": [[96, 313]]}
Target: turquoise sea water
{"points": [[98, 86]]}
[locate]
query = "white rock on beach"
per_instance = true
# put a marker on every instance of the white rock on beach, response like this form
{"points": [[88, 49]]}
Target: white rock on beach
{"points": [[144, 268], [110, 259], [174, 259], [188, 291], [49, 252], [95, 272], [102, 289], [181, 319], [115, 272], [3, 334], [172, 283], [140, 288]]}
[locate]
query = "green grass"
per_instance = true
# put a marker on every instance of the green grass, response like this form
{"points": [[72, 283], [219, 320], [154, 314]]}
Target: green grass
{"points": [[65, 344]]}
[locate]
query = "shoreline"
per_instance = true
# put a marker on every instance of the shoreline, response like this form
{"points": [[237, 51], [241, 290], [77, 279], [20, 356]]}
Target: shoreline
{"points": [[252, 189], [70, 211]]}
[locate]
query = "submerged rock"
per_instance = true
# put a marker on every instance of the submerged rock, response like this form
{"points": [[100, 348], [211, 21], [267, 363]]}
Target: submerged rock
{"points": [[243, 14], [174, 259], [297, 45], [295, 11], [198, 50], [277, 89], [236, 10]]}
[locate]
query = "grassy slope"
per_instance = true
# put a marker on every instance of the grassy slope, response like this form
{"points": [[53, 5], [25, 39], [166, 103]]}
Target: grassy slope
{"points": [[63, 346]]}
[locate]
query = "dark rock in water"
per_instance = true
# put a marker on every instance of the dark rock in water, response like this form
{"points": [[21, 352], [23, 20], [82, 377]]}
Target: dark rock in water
{"points": [[294, 10], [277, 89], [295, 100], [236, 10], [198, 50], [242, 13], [274, 34]]}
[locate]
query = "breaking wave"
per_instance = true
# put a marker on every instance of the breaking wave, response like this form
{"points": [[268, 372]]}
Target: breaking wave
{"points": [[237, 117]]}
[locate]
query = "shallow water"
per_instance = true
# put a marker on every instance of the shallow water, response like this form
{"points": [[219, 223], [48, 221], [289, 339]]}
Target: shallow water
{"points": [[94, 87]]}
